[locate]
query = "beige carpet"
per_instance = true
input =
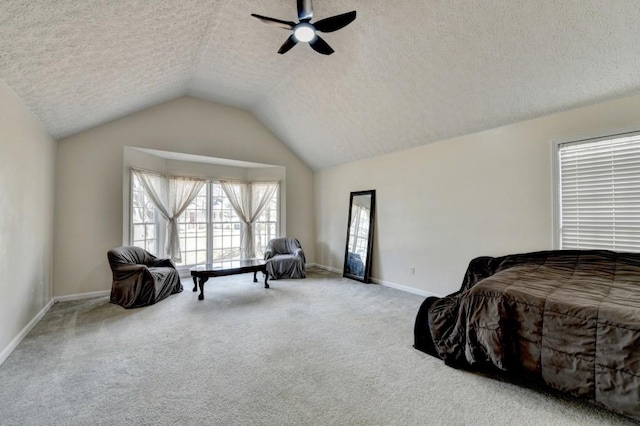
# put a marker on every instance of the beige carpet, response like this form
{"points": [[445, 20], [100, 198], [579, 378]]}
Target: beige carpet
{"points": [[324, 350]]}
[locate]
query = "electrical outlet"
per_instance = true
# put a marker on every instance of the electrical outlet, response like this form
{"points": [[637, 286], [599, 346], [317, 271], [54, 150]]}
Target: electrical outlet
{"points": [[413, 271]]}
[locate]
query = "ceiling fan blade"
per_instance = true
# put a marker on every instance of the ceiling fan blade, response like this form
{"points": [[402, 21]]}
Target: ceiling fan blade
{"points": [[305, 10], [287, 25], [335, 23], [321, 46], [288, 45]]}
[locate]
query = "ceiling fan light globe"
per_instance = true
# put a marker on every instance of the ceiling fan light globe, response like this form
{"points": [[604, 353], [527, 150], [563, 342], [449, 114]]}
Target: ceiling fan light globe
{"points": [[304, 32]]}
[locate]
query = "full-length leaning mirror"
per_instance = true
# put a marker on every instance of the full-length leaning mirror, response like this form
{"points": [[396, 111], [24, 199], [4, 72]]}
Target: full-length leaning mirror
{"points": [[357, 256]]}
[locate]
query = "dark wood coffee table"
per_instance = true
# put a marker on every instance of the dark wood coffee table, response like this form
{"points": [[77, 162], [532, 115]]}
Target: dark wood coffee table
{"points": [[201, 273]]}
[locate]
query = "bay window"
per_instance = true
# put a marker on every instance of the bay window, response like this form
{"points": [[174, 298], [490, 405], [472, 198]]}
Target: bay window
{"points": [[209, 229]]}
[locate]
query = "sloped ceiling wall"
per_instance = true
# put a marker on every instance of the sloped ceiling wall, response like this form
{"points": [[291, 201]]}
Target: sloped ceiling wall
{"points": [[405, 73]]}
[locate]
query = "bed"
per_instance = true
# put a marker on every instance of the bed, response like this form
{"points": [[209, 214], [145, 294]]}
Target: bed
{"points": [[568, 318]]}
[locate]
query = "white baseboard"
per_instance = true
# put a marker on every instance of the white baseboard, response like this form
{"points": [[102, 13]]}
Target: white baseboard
{"points": [[390, 284], [82, 296], [405, 288], [23, 333], [328, 268]]}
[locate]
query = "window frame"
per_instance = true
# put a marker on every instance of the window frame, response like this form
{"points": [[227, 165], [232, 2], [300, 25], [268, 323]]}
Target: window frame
{"points": [[556, 144], [158, 221], [278, 214], [207, 223], [231, 234]]}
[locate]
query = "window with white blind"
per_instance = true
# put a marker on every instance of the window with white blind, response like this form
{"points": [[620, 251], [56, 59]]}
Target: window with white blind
{"points": [[598, 186]]}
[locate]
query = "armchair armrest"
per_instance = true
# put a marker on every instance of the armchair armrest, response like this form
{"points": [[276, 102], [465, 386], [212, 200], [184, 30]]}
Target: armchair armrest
{"points": [[124, 271], [300, 253], [268, 254], [163, 263]]}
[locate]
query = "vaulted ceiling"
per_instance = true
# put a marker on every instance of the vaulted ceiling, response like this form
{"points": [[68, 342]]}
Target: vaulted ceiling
{"points": [[405, 73]]}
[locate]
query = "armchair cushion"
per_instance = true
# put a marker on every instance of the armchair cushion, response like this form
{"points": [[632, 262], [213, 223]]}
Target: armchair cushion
{"points": [[285, 258], [140, 278]]}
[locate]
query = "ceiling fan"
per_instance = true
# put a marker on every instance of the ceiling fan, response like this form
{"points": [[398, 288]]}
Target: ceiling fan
{"points": [[306, 32]]}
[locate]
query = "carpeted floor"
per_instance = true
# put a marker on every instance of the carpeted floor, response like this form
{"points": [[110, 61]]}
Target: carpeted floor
{"points": [[324, 350]]}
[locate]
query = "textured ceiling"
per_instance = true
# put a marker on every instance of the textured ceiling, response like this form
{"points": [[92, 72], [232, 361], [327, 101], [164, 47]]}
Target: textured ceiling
{"points": [[405, 73]]}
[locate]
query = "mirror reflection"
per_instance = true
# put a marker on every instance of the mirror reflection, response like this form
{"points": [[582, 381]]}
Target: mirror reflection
{"points": [[359, 236]]}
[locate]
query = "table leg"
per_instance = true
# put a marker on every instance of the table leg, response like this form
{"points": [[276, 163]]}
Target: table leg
{"points": [[202, 280], [195, 284], [266, 277], [255, 279]]}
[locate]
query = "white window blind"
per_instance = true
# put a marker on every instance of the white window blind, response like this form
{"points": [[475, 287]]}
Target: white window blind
{"points": [[600, 193]]}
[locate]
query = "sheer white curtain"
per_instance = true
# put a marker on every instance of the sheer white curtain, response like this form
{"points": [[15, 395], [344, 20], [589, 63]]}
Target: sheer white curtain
{"points": [[171, 196], [248, 200]]}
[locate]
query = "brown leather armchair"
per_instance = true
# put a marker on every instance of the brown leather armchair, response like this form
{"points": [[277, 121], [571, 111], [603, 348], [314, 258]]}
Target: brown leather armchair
{"points": [[140, 278]]}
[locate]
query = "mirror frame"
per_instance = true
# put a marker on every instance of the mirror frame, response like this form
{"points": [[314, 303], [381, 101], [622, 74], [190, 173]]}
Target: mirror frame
{"points": [[366, 278]]}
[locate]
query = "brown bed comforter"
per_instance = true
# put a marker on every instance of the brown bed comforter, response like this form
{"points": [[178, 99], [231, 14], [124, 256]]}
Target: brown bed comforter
{"points": [[569, 318]]}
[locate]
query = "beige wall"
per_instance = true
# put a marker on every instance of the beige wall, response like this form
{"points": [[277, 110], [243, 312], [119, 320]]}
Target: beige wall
{"points": [[442, 204], [27, 160], [89, 180]]}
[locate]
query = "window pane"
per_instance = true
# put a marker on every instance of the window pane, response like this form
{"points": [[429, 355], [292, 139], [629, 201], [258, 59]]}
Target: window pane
{"points": [[137, 215], [150, 246], [190, 258], [138, 232], [217, 255], [151, 231], [201, 243]]}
